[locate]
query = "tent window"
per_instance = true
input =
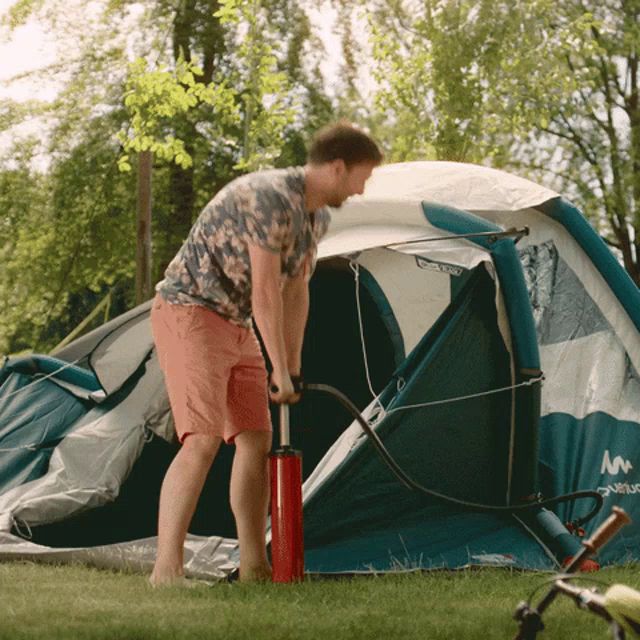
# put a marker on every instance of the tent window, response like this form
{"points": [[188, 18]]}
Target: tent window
{"points": [[562, 308]]}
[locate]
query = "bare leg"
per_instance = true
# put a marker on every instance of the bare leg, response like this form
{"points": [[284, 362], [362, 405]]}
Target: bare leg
{"points": [[178, 499], [250, 502]]}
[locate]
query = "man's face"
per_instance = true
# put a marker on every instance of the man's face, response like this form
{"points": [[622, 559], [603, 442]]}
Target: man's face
{"points": [[349, 181]]}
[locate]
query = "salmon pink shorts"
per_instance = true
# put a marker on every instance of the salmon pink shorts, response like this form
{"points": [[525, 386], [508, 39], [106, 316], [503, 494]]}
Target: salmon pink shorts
{"points": [[213, 369]]}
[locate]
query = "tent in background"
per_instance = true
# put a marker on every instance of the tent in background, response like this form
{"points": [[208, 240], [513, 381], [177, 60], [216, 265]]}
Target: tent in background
{"points": [[402, 315]]}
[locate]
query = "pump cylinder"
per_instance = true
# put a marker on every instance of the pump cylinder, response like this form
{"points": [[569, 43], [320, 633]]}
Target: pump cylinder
{"points": [[287, 544]]}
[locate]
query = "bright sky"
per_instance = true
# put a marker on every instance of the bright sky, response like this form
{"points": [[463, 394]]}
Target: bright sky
{"points": [[29, 48]]}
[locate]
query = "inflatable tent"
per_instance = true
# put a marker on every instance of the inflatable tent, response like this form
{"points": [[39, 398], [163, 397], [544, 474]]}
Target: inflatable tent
{"points": [[494, 366]]}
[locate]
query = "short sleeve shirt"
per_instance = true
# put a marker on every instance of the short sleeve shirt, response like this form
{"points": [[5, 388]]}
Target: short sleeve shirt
{"points": [[213, 269]]}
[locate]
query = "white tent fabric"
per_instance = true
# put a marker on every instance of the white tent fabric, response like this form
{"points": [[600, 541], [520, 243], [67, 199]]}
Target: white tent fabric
{"points": [[393, 191], [460, 185], [396, 192], [417, 301]]}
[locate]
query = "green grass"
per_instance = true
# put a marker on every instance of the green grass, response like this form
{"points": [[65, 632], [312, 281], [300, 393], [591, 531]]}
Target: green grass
{"points": [[75, 602]]}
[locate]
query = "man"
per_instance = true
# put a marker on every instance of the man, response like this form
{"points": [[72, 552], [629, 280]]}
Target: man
{"points": [[249, 255]]}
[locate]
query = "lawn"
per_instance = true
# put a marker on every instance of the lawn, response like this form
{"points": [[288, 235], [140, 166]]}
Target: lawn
{"points": [[76, 602]]}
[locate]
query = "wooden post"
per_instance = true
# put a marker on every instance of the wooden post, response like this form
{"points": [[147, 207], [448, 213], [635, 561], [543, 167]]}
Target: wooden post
{"points": [[143, 249]]}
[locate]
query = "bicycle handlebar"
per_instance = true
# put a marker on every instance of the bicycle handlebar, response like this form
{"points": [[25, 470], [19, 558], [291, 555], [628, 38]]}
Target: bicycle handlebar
{"points": [[599, 538], [620, 609], [620, 604]]}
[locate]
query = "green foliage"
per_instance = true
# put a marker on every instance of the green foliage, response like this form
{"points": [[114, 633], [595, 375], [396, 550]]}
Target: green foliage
{"points": [[266, 93], [23, 203], [549, 89], [66, 233], [457, 78], [590, 142], [19, 12], [153, 99], [253, 95]]}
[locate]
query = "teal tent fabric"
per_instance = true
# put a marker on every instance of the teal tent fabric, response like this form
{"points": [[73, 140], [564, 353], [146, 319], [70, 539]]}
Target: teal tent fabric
{"points": [[59, 370], [525, 353], [457, 449], [594, 246], [437, 538], [594, 453], [33, 421]]}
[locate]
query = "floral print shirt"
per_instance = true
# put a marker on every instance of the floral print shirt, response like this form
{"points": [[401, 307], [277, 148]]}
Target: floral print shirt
{"points": [[213, 269]]}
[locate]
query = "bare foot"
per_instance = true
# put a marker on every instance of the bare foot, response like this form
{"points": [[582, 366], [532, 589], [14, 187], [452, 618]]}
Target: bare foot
{"points": [[168, 578], [260, 573], [179, 581]]}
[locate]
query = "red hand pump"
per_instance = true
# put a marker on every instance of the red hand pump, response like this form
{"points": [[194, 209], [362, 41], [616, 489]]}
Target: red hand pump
{"points": [[287, 547]]}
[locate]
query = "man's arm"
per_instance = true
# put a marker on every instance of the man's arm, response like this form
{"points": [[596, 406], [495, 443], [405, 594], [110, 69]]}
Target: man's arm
{"points": [[295, 296], [266, 300]]}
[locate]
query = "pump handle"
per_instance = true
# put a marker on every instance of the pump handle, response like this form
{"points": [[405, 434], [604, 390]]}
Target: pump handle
{"points": [[285, 437]]}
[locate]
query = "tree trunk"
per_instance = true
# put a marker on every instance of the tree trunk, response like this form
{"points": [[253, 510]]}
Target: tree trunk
{"points": [[181, 196], [143, 250]]}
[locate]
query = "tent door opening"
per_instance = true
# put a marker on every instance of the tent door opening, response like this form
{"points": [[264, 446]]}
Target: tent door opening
{"points": [[333, 355]]}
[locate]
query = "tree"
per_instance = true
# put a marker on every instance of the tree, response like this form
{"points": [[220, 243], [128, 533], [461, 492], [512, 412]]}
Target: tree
{"points": [[68, 235], [61, 258], [456, 77], [594, 134], [75, 238], [546, 88]]}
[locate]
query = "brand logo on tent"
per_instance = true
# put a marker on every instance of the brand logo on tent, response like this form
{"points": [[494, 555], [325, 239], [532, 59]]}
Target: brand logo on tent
{"points": [[620, 488], [613, 467], [443, 267]]}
